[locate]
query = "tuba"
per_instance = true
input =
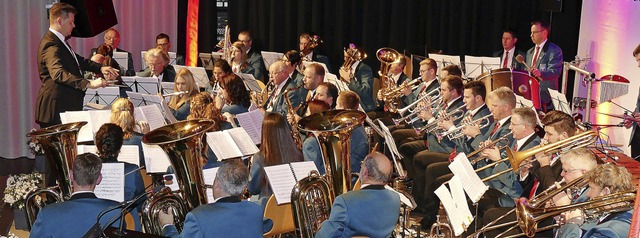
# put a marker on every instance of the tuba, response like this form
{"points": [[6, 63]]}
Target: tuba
{"points": [[59, 143], [353, 55], [387, 57], [182, 141], [311, 202]]}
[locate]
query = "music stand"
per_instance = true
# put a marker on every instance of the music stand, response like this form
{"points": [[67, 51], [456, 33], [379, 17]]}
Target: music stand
{"points": [[250, 82], [444, 60], [123, 59], [199, 74], [476, 66], [167, 87], [559, 101], [147, 85], [270, 57], [103, 96]]}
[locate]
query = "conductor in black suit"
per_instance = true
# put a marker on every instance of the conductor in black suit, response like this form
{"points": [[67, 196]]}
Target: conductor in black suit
{"points": [[509, 51], [60, 68]]}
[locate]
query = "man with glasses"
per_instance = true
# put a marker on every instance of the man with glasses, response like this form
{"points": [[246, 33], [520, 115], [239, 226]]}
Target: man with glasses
{"points": [[282, 82], [371, 211], [158, 66], [545, 60], [254, 58], [112, 38], [163, 41]]}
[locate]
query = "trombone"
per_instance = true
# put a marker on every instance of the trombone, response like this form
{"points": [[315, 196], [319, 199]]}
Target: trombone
{"points": [[457, 132], [455, 115]]}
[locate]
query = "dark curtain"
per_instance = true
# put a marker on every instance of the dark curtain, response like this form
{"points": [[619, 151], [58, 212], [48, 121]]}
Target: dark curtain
{"points": [[456, 27]]}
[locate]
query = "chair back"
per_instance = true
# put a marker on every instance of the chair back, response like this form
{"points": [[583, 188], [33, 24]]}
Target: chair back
{"points": [[281, 215]]}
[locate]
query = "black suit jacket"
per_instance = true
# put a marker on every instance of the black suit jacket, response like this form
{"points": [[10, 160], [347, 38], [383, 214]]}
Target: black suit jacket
{"points": [[63, 84], [514, 62], [546, 175]]}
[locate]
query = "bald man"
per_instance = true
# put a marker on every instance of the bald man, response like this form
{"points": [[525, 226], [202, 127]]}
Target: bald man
{"points": [[371, 211]]}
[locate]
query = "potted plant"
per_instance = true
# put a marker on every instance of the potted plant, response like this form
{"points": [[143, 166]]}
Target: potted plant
{"points": [[18, 186]]}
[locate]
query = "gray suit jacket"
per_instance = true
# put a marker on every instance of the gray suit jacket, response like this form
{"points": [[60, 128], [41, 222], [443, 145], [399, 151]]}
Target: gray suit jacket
{"points": [[509, 183], [550, 65]]}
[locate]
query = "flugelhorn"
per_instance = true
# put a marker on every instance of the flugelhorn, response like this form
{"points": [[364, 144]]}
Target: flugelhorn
{"points": [[457, 132], [504, 138], [454, 115], [353, 55]]}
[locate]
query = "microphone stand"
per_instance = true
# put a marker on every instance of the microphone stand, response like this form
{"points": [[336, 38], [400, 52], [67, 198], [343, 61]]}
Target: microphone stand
{"points": [[127, 205]]}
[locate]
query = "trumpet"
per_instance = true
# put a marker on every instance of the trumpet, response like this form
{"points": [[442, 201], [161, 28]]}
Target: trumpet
{"points": [[430, 101], [454, 115], [457, 132], [504, 138], [428, 97]]}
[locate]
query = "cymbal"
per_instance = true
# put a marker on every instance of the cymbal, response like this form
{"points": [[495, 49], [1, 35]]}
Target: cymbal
{"points": [[615, 78], [621, 116]]}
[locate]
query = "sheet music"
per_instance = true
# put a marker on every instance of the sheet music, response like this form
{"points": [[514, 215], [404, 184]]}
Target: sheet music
{"points": [[209, 176], [282, 182], [388, 138], [102, 96], [151, 114], [455, 204], [301, 169], [333, 79], [523, 102], [444, 60], [403, 198], [128, 153], [473, 185], [99, 118], [243, 141], [223, 145], [147, 85], [560, 101], [250, 82], [155, 159], [199, 74], [252, 123], [112, 185], [123, 59], [475, 66], [86, 132], [270, 57]]}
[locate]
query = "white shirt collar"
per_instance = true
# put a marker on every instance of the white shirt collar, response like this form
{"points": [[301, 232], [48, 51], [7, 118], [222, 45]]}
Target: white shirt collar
{"points": [[79, 192], [58, 34], [474, 111], [396, 78], [354, 66], [503, 120], [541, 45], [451, 102], [521, 142]]}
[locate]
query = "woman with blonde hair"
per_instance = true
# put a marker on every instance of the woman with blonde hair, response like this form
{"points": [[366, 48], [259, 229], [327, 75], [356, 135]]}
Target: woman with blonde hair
{"points": [[276, 148], [239, 60], [203, 107], [122, 114], [179, 105]]}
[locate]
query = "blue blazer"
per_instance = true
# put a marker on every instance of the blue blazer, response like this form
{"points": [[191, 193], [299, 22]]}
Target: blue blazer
{"points": [[72, 218], [616, 225], [254, 58], [362, 84], [371, 211], [468, 145], [500, 132], [359, 148], [182, 112], [228, 217], [550, 65]]}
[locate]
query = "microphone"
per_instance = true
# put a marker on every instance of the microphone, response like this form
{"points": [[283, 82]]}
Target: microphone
{"points": [[96, 231], [125, 209]]}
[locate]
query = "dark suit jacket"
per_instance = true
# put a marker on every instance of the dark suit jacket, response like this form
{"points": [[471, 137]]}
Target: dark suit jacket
{"points": [[362, 84], [255, 60], [550, 65], [279, 104], [514, 62], [63, 84], [466, 145], [168, 73], [322, 59], [616, 225], [130, 70], [546, 175], [228, 217], [444, 146], [72, 218], [371, 211]]}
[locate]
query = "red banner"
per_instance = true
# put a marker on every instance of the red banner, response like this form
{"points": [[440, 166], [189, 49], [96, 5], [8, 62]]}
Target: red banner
{"points": [[191, 56]]}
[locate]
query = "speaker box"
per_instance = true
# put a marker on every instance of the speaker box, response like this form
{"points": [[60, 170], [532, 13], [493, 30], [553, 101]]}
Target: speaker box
{"points": [[94, 17], [550, 5]]}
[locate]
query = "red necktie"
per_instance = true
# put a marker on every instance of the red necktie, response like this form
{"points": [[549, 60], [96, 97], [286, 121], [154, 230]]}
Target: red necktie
{"points": [[535, 57], [536, 183], [453, 154], [495, 128], [506, 58]]}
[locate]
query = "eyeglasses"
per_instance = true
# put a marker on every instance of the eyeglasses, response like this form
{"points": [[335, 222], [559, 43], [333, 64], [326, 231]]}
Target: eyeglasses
{"points": [[569, 171], [422, 71], [275, 73], [535, 32], [163, 44]]}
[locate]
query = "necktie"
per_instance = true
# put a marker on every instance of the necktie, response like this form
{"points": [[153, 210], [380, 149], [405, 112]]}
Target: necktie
{"points": [[74, 56], [515, 147], [535, 57], [506, 58], [532, 193], [495, 128]]}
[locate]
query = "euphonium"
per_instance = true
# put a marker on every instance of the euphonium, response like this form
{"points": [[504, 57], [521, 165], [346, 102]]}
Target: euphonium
{"points": [[259, 99], [353, 55], [333, 131], [387, 57], [182, 141], [314, 41], [293, 111], [311, 201], [59, 143]]}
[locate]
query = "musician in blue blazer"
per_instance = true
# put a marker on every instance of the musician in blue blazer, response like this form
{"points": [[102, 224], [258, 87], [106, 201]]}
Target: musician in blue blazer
{"points": [[254, 58], [73, 218], [371, 211], [509, 40], [228, 216], [359, 76], [606, 179], [283, 82], [545, 60]]}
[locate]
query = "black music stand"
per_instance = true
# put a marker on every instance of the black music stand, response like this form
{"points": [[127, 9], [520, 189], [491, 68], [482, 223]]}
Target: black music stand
{"points": [[103, 96]]}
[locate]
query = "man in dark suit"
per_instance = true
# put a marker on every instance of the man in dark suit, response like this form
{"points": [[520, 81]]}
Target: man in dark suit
{"points": [[228, 216], [545, 60], [509, 40], [309, 52], [73, 218], [634, 142], [254, 58], [394, 76], [371, 211], [112, 38], [359, 77], [163, 41], [158, 66], [60, 68], [282, 82]]}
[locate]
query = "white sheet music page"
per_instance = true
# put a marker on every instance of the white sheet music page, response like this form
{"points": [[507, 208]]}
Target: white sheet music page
{"points": [[475, 66], [112, 185], [99, 118], [301, 169], [270, 57], [243, 141], [209, 176], [455, 204], [152, 115], [155, 158], [282, 182], [86, 132], [122, 58], [250, 82], [129, 154], [252, 123], [559, 101], [223, 145], [473, 185], [148, 85], [387, 135]]}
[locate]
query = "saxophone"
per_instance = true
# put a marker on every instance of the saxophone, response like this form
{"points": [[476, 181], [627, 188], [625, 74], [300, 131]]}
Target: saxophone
{"points": [[292, 111]]}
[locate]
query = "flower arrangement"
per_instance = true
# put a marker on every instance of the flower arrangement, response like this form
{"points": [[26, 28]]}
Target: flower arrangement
{"points": [[10, 235], [18, 186], [34, 147]]}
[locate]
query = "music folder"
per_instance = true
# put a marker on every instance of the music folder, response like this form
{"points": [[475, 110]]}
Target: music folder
{"points": [[282, 178], [232, 143]]}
